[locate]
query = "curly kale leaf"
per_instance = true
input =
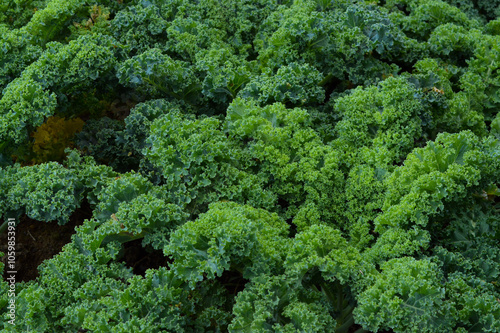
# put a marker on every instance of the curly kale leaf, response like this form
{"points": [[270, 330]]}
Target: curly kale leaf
{"points": [[201, 165], [407, 296], [470, 244], [155, 74], [279, 304], [386, 119], [156, 302], [44, 192], [42, 304], [224, 72], [444, 171], [302, 170], [102, 139], [294, 84], [61, 70], [228, 237]]}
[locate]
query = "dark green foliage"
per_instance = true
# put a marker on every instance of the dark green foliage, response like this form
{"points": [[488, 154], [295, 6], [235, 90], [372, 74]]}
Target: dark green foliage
{"points": [[44, 192], [103, 140], [277, 304], [154, 74], [63, 70], [469, 245], [287, 166], [200, 165], [386, 119], [412, 299], [225, 72], [293, 85]]}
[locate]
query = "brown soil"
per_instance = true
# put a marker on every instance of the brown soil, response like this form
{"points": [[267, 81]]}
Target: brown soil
{"points": [[37, 241], [142, 259]]}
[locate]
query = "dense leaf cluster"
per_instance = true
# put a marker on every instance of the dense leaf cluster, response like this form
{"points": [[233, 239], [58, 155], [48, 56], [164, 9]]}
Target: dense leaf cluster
{"points": [[302, 165]]}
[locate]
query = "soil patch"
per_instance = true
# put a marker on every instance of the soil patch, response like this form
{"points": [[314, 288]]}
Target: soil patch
{"points": [[142, 259], [37, 241]]}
